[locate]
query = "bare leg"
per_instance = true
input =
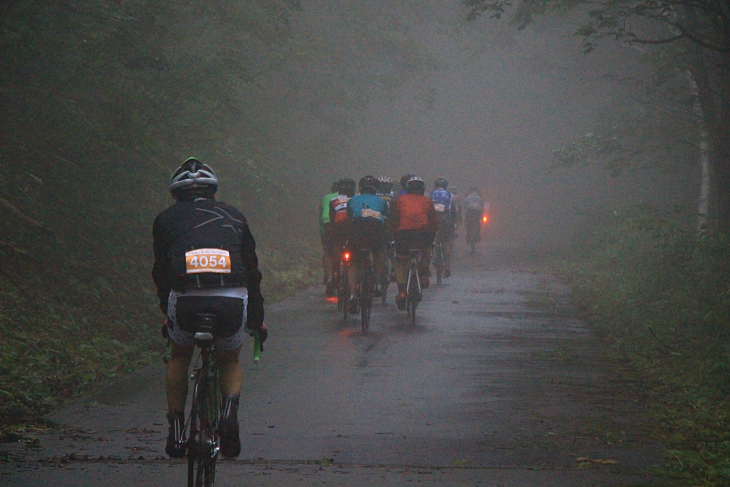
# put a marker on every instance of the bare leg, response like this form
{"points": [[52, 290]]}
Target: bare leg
{"points": [[176, 378], [231, 372]]}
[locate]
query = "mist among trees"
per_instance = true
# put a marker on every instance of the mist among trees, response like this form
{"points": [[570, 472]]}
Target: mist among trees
{"points": [[571, 117]]}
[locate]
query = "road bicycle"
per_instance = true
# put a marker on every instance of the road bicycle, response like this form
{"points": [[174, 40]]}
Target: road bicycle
{"points": [[388, 271], [439, 260], [473, 221], [414, 293], [343, 286], [203, 444], [365, 282]]}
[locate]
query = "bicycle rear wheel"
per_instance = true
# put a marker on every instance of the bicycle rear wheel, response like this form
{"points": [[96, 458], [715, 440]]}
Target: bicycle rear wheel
{"points": [[412, 294], [202, 443], [413, 299], [193, 445], [366, 299], [342, 290], [385, 281], [345, 292]]}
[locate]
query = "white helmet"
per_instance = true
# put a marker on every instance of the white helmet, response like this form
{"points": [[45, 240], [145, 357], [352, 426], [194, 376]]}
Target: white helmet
{"points": [[415, 183], [193, 174]]}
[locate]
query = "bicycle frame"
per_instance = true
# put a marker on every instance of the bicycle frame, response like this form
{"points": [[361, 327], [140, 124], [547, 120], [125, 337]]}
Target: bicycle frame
{"points": [[387, 270], [365, 287], [413, 285], [343, 288], [203, 438]]}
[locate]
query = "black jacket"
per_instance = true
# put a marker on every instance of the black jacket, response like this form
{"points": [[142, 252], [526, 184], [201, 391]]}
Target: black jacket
{"points": [[206, 223]]}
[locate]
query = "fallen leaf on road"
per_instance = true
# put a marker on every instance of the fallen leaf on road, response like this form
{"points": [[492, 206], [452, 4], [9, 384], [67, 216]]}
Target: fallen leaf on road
{"points": [[596, 460]]}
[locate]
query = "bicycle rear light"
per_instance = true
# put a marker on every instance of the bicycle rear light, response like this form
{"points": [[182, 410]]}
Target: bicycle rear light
{"points": [[347, 256]]}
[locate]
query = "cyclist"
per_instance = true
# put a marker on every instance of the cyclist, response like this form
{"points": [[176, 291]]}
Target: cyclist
{"points": [[205, 261], [473, 210], [339, 220], [403, 181], [414, 223], [325, 237], [443, 202], [385, 189], [368, 212]]}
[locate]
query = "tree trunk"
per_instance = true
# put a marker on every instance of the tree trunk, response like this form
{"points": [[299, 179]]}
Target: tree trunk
{"points": [[720, 140], [703, 207]]}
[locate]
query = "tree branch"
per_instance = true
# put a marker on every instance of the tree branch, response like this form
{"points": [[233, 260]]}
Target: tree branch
{"points": [[20, 214], [657, 41], [701, 42], [12, 247]]}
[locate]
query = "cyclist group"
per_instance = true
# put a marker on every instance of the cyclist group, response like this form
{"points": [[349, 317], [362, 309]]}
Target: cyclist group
{"points": [[206, 266], [388, 225]]}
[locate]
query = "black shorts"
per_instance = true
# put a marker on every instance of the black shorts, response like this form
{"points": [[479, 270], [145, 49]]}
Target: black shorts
{"points": [[368, 234], [228, 312], [339, 236], [446, 231], [326, 237], [405, 240]]}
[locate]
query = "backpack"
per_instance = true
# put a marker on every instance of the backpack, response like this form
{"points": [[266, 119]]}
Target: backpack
{"points": [[474, 202]]}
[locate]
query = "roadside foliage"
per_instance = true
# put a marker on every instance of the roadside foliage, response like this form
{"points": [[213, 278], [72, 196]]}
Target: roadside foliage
{"points": [[102, 100], [659, 296]]}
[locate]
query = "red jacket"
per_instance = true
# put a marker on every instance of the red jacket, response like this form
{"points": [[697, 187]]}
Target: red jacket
{"points": [[413, 212]]}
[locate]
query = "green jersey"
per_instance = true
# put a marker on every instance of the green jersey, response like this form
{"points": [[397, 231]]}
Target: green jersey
{"points": [[324, 216]]}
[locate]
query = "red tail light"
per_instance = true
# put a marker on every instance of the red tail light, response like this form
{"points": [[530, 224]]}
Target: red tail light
{"points": [[347, 256], [485, 218]]}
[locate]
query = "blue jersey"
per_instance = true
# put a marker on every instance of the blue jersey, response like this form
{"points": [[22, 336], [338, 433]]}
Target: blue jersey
{"points": [[367, 206], [443, 203]]}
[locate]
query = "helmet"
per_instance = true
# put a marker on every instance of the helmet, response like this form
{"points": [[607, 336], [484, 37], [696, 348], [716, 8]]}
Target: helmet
{"points": [[386, 184], [193, 174], [369, 184], [415, 185], [404, 179], [440, 183], [347, 186]]}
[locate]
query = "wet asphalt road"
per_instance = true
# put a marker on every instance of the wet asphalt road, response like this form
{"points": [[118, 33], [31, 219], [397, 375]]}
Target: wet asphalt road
{"points": [[499, 383]]}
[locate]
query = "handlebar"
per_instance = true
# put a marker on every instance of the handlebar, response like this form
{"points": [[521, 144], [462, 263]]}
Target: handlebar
{"points": [[256, 348]]}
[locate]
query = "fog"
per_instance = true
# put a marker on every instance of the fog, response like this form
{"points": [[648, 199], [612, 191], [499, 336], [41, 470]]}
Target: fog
{"points": [[493, 118], [282, 98]]}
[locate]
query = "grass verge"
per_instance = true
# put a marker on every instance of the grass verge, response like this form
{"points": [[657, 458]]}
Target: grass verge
{"points": [[659, 297], [82, 333]]}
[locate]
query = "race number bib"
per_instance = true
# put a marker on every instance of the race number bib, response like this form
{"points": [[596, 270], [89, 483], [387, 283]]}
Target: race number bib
{"points": [[208, 260], [440, 208], [368, 213]]}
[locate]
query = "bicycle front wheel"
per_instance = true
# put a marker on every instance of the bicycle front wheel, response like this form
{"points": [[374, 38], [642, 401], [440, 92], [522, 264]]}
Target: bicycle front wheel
{"points": [[364, 318]]}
